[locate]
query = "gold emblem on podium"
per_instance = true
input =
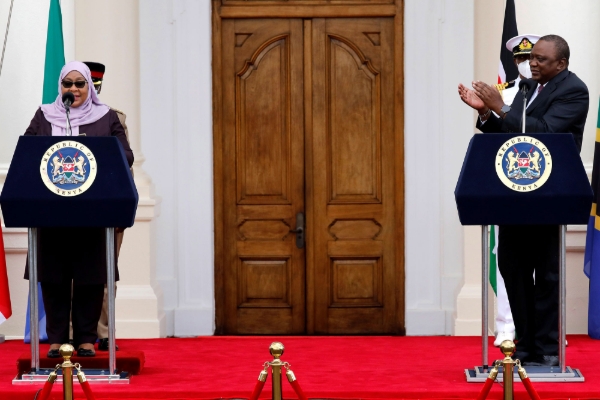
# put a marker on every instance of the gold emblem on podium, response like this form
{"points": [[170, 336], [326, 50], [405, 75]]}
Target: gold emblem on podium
{"points": [[523, 163], [68, 168]]}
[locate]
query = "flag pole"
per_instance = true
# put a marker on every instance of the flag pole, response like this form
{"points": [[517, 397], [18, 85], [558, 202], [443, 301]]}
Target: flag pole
{"points": [[5, 39], [34, 335]]}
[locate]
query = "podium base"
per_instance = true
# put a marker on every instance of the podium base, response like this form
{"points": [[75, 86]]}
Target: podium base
{"points": [[131, 361], [535, 374], [92, 376]]}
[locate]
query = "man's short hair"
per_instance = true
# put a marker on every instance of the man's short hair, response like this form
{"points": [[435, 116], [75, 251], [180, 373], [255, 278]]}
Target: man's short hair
{"points": [[561, 46]]}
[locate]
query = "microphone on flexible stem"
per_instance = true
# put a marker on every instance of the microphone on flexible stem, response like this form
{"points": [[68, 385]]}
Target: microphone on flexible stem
{"points": [[525, 86], [68, 99]]}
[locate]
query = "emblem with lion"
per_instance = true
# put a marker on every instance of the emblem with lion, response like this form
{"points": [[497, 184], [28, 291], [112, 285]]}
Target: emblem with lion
{"points": [[56, 166], [534, 161], [79, 168], [513, 162]]}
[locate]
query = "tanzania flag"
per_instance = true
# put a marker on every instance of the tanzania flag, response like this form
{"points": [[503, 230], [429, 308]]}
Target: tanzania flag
{"points": [[55, 60], [55, 53], [507, 70], [591, 262]]}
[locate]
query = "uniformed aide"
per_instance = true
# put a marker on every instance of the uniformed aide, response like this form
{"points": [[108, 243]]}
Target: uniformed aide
{"points": [[521, 48], [97, 70]]}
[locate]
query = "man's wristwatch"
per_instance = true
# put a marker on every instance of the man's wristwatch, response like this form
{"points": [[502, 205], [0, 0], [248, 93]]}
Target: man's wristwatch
{"points": [[505, 109]]}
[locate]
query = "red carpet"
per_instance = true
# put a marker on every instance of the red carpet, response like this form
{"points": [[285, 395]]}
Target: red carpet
{"points": [[326, 367]]}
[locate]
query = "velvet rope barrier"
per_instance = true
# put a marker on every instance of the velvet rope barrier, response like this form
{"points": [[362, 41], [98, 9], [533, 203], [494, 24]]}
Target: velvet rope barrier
{"points": [[527, 383], [45, 392], [294, 382], [485, 390], [85, 385], [260, 383]]}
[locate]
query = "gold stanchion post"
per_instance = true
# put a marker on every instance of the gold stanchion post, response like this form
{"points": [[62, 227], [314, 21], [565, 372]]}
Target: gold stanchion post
{"points": [[276, 350], [507, 348], [66, 351]]}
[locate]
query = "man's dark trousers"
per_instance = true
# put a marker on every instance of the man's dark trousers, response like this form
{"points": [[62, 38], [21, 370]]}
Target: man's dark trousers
{"points": [[521, 251]]}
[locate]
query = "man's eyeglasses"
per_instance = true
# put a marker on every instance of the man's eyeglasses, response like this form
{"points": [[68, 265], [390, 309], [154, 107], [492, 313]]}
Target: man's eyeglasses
{"points": [[78, 84]]}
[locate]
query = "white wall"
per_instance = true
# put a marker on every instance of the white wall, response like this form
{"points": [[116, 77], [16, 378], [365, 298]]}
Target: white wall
{"points": [[175, 54], [438, 54]]}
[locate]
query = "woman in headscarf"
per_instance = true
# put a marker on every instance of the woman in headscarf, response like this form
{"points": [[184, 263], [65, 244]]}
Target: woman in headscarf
{"points": [[72, 261]]}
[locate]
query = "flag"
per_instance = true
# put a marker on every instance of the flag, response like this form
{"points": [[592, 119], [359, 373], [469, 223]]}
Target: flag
{"points": [[55, 53], [591, 260], [41, 318], [494, 258], [54, 61], [507, 70], [5, 307]]}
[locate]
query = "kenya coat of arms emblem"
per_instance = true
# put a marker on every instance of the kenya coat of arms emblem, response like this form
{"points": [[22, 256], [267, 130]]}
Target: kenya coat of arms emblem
{"points": [[68, 168], [523, 163]]}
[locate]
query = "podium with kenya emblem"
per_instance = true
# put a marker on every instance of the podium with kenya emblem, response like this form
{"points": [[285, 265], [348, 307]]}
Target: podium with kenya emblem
{"points": [[524, 179], [69, 182]]}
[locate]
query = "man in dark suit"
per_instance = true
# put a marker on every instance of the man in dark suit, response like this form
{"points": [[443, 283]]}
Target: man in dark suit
{"points": [[558, 103]]}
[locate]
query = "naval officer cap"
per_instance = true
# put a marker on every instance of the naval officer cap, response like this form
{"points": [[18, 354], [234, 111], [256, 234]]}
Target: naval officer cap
{"points": [[522, 44]]}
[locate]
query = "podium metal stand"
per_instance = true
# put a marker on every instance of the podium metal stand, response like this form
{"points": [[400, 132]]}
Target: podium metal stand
{"points": [[110, 375], [562, 373]]}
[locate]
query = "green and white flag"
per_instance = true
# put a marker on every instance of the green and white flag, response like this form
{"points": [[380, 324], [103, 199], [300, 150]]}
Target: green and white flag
{"points": [[494, 258], [55, 53]]}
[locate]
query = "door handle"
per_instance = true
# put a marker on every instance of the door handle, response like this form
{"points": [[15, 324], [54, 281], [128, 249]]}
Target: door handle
{"points": [[299, 231]]}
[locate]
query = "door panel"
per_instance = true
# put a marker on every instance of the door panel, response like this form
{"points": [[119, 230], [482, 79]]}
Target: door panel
{"points": [[327, 84], [263, 153], [353, 176]]}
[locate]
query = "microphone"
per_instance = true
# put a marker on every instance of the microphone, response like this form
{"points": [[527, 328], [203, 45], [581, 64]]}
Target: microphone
{"points": [[68, 99], [526, 85]]}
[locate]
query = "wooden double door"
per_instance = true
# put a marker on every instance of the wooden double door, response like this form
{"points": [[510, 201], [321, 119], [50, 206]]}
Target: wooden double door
{"points": [[308, 177]]}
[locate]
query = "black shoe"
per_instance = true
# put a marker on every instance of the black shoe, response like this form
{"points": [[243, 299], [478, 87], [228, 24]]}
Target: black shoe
{"points": [[523, 357], [542, 361], [53, 353], [103, 345], [85, 352]]}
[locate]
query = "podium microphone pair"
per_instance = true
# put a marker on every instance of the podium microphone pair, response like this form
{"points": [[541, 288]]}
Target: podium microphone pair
{"points": [[525, 86], [68, 99]]}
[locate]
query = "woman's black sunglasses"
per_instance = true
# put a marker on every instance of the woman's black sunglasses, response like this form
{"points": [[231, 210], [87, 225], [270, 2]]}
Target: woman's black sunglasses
{"points": [[78, 84]]}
